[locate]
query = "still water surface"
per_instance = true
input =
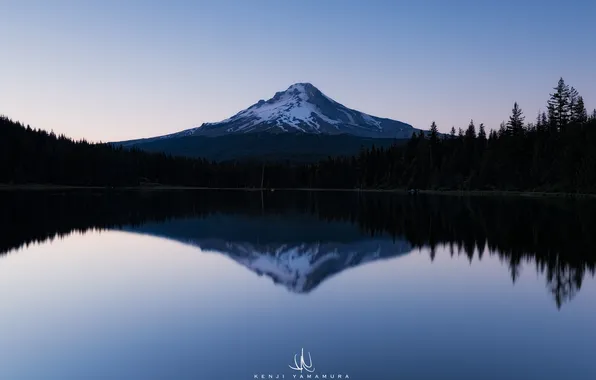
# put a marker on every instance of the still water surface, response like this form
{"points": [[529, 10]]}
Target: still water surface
{"points": [[232, 285]]}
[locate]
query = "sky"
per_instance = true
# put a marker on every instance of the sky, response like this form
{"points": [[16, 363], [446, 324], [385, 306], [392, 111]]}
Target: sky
{"points": [[115, 70]]}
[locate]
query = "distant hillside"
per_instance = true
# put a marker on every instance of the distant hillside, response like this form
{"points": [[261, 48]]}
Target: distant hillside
{"points": [[296, 147]]}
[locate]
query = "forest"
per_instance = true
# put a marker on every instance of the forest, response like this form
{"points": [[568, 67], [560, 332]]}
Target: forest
{"points": [[554, 153]]}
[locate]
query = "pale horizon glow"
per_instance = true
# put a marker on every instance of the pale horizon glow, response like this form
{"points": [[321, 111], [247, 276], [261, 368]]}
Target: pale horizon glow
{"points": [[111, 70]]}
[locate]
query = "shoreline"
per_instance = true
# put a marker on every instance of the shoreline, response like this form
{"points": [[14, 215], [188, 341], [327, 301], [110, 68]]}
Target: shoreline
{"points": [[533, 194]]}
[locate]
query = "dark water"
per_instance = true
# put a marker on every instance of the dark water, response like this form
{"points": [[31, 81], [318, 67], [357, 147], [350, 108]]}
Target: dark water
{"points": [[233, 285]]}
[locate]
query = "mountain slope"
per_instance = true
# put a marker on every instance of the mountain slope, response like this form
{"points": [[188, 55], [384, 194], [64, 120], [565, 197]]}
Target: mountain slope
{"points": [[296, 147], [298, 124], [302, 108]]}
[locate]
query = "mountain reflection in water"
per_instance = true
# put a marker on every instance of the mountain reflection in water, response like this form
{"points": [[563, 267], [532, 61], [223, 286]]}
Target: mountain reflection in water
{"points": [[300, 239]]}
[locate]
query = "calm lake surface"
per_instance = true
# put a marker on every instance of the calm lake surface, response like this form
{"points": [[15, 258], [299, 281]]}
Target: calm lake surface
{"points": [[233, 285]]}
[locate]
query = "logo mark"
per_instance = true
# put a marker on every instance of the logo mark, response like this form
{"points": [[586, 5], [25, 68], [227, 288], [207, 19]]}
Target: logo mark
{"points": [[302, 365]]}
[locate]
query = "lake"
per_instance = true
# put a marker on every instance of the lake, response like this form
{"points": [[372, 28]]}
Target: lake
{"points": [[243, 285]]}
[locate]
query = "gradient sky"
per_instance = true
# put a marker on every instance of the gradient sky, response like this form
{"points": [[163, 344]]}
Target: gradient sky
{"points": [[113, 70]]}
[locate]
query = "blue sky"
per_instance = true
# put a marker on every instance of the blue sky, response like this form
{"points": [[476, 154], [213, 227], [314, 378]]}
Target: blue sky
{"points": [[112, 70]]}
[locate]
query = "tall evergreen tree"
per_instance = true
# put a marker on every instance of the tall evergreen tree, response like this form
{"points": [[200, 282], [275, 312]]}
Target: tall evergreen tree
{"points": [[452, 133], [471, 131], [559, 112], [515, 126], [482, 132], [502, 129], [573, 99], [544, 120], [434, 132], [482, 138], [578, 112], [434, 144], [539, 120]]}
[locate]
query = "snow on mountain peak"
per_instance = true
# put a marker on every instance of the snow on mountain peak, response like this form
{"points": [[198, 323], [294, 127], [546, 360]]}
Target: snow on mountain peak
{"points": [[301, 86], [303, 108]]}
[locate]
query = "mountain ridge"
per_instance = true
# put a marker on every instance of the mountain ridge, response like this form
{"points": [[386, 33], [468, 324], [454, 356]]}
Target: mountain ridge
{"points": [[301, 108], [300, 124], [304, 108]]}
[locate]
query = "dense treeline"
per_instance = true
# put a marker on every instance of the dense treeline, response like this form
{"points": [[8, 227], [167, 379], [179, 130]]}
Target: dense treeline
{"points": [[553, 234], [36, 156], [556, 153]]}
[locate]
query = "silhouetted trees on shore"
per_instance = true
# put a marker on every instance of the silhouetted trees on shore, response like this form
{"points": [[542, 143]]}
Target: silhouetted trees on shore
{"points": [[555, 153]]}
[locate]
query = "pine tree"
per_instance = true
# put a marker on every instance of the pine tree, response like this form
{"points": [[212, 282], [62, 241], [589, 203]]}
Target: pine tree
{"points": [[543, 120], [539, 121], [558, 106], [452, 134], [573, 99], [502, 129], [594, 114], [471, 131], [578, 112], [482, 132], [515, 126], [434, 142], [482, 137], [434, 132]]}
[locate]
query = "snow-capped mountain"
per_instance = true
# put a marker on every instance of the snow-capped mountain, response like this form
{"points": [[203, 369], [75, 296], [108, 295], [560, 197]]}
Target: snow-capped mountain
{"points": [[301, 108]]}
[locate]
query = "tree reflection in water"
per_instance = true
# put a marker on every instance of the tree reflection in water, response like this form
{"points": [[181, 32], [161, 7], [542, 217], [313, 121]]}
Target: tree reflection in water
{"points": [[554, 234]]}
